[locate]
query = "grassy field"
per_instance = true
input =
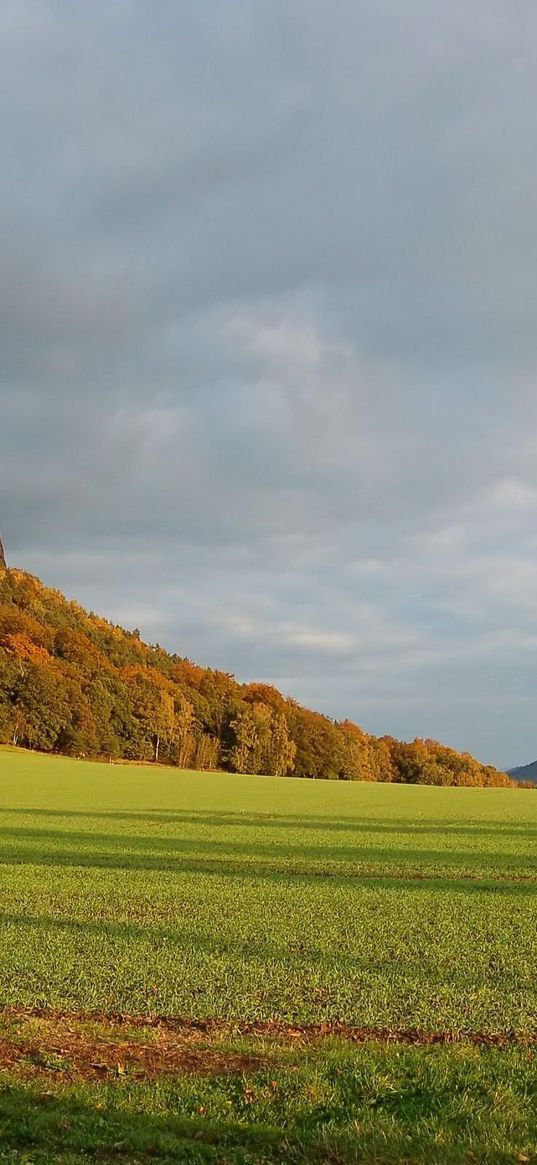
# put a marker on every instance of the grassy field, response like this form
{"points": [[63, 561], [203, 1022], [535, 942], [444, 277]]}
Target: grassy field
{"points": [[269, 902]]}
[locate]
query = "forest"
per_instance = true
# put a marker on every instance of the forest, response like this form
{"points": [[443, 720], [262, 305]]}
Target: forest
{"points": [[73, 683]]}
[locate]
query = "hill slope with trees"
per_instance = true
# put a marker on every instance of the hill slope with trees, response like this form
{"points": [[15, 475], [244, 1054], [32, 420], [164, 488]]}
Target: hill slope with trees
{"points": [[73, 683]]}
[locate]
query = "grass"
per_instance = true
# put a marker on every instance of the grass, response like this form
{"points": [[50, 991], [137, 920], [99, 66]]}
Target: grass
{"points": [[156, 892], [329, 1104], [320, 1100]]}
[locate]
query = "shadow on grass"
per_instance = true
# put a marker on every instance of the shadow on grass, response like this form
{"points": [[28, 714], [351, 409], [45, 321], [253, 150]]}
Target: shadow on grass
{"points": [[367, 874], [252, 859], [212, 943], [197, 946], [60, 1125], [254, 820], [418, 1122]]}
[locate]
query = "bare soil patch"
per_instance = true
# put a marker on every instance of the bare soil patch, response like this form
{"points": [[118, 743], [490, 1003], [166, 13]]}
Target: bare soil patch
{"points": [[63, 1046], [95, 1044]]}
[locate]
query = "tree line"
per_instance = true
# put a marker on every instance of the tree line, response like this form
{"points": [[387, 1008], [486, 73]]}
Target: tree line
{"points": [[73, 683]]}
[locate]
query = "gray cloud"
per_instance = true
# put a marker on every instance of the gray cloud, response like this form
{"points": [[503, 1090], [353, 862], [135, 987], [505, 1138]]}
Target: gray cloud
{"points": [[267, 335]]}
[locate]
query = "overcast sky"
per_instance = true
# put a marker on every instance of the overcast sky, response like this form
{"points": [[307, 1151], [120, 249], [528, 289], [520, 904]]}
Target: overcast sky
{"points": [[269, 337]]}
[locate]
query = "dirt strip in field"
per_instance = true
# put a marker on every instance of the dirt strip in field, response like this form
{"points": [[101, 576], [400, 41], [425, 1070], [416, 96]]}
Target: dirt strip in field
{"points": [[76, 1057], [98, 1041], [77, 1047]]}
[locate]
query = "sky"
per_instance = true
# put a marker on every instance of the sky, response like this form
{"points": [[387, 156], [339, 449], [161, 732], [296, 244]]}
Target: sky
{"points": [[268, 342]]}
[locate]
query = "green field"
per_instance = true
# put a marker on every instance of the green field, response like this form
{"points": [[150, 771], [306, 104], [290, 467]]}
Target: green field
{"points": [[154, 892]]}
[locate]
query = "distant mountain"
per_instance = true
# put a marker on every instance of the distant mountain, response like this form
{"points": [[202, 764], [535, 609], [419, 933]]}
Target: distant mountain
{"points": [[525, 773]]}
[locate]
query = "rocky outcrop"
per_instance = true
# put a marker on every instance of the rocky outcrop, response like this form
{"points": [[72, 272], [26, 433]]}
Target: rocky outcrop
{"points": [[3, 563]]}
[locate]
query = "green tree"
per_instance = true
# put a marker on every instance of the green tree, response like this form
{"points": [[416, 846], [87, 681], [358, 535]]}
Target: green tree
{"points": [[41, 707]]}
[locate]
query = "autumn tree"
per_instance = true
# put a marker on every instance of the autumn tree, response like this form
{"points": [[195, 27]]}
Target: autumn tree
{"points": [[71, 681]]}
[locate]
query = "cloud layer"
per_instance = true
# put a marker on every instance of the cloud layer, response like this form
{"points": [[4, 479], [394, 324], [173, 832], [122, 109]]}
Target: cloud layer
{"points": [[268, 342]]}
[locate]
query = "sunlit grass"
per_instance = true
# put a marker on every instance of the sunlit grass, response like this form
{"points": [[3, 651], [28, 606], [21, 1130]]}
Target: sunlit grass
{"points": [[151, 890]]}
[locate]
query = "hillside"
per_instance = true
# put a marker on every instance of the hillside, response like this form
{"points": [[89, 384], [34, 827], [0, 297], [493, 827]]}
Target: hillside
{"points": [[525, 773], [73, 683]]}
